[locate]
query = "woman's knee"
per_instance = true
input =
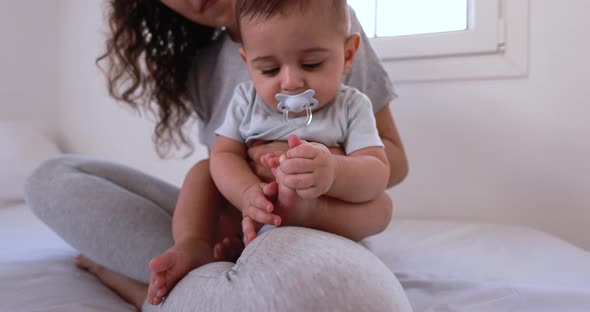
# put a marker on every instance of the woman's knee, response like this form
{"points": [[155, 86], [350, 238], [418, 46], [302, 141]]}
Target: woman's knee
{"points": [[45, 183]]}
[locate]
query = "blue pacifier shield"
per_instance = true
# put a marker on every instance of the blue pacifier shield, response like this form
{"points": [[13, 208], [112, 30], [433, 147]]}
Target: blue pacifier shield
{"points": [[295, 104]]}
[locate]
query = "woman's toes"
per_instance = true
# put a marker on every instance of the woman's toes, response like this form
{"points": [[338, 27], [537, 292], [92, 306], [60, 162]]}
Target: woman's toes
{"points": [[84, 263]]}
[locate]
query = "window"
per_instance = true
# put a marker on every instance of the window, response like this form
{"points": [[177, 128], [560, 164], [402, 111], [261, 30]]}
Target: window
{"points": [[450, 39], [399, 18]]}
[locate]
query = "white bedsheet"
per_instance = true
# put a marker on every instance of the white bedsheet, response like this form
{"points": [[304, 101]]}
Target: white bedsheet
{"points": [[443, 266], [37, 271], [452, 266]]}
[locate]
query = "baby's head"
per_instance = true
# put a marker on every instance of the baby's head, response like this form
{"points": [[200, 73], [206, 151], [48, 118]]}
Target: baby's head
{"points": [[256, 11], [294, 45]]}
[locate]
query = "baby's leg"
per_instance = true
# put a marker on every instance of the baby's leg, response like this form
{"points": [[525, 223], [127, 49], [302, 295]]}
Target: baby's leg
{"points": [[290, 206]]}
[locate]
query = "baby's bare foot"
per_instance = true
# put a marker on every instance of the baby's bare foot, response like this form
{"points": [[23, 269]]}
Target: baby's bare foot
{"points": [[287, 199], [229, 249], [174, 264], [291, 207]]}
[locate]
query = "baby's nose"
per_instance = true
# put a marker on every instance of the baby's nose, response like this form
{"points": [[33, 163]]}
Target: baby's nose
{"points": [[292, 80]]}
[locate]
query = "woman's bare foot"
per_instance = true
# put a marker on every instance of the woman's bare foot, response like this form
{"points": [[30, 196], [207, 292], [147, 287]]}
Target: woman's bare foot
{"points": [[129, 289]]}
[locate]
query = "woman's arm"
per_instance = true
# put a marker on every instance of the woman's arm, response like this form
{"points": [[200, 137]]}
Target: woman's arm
{"points": [[368, 76], [398, 163]]}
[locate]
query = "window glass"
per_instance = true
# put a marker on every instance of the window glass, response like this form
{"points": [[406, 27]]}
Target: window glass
{"points": [[383, 18]]}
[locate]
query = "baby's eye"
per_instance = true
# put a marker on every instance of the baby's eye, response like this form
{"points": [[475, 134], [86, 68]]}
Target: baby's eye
{"points": [[312, 65], [269, 71]]}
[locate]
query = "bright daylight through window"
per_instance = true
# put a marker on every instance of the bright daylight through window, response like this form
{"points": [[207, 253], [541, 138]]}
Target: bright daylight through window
{"points": [[383, 18], [427, 40]]}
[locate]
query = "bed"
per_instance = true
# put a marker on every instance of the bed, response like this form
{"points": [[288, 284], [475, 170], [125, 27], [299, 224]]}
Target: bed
{"points": [[442, 265]]}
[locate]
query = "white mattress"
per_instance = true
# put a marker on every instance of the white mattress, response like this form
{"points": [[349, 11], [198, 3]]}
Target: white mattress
{"points": [[37, 271], [452, 266], [443, 266]]}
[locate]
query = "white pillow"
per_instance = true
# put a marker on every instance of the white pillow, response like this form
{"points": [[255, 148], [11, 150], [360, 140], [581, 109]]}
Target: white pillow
{"points": [[22, 148]]}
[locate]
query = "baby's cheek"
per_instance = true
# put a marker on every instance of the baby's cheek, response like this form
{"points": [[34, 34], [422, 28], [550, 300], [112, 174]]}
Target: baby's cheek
{"points": [[328, 91]]}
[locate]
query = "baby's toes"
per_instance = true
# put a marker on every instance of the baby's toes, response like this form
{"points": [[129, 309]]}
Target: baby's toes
{"points": [[151, 295], [154, 294], [158, 296], [219, 252], [161, 292], [248, 238], [235, 246]]}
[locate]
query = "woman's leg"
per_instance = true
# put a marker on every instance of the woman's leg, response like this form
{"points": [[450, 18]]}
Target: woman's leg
{"points": [[117, 216], [292, 269], [120, 219], [129, 289]]}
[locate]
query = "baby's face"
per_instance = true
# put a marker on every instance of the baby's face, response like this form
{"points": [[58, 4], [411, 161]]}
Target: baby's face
{"points": [[290, 54]]}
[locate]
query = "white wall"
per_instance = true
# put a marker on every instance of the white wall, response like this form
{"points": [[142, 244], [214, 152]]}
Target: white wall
{"points": [[91, 122], [29, 69], [508, 151]]}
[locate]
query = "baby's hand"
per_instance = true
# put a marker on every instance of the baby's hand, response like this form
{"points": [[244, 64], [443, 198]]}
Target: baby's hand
{"points": [[256, 208], [308, 167]]}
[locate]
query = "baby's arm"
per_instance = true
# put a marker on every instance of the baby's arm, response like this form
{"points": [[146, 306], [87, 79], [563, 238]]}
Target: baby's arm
{"points": [[360, 176], [236, 181], [312, 170], [352, 220]]}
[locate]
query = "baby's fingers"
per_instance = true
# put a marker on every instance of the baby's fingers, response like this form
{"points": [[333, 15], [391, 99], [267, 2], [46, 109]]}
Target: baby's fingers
{"points": [[249, 229], [262, 203], [264, 217], [309, 193], [270, 189]]}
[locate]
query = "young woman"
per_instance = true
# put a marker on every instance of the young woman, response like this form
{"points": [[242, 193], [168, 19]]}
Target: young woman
{"points": [[179, 59]]}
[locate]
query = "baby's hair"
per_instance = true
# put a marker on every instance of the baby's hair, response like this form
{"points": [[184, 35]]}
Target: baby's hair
{"points": [[257, 10]]}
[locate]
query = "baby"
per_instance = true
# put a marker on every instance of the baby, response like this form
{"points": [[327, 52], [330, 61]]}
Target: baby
{"points": [[297, 52]]}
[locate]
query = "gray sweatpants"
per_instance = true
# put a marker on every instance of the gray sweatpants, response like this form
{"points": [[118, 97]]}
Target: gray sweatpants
{"points": [[121, 218]]}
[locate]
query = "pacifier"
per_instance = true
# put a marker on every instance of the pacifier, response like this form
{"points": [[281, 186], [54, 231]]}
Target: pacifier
{"points": [[296, 104]]}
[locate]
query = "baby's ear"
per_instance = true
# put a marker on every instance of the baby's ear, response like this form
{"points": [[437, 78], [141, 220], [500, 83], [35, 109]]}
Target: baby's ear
{"points": [[351, 46], [243, 55]]}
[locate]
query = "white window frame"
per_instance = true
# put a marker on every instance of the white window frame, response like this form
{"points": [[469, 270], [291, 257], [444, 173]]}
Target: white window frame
{"points": [[494, 46]]}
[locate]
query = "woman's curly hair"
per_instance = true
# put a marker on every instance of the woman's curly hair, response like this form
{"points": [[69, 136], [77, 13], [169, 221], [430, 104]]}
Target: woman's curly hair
{"points": [[148, 56]]}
